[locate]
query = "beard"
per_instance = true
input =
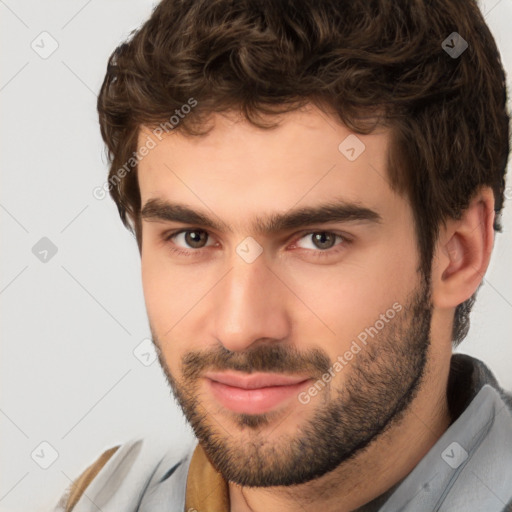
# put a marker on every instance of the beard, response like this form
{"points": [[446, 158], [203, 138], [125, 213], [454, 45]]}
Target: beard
{"points": [[379, 384]]}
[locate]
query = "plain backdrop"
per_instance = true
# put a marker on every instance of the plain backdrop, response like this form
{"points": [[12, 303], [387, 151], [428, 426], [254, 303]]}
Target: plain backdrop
{"points": [[72, 319]]}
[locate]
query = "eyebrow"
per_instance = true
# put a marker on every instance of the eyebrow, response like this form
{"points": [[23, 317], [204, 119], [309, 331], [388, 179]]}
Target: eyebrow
{"points": [[334, 211]]}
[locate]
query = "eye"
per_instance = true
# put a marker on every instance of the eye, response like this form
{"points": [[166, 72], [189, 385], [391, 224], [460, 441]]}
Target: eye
{"points": [[322, 241], [191, 238]]}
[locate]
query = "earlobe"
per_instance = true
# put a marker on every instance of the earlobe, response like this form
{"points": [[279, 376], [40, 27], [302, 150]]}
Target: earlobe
{"points": [[463, 252]]}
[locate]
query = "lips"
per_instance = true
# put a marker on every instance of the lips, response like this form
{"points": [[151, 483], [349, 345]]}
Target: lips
{"points": [[255, 393], [255, 380]]}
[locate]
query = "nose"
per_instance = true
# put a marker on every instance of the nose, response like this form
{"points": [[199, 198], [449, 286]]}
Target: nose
{"points": [[250, 306]]}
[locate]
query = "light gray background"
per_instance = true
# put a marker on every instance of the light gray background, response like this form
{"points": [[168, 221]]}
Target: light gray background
{"points": [[69, 376]]}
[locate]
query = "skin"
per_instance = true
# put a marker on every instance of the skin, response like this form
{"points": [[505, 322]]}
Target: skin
{"points": [[211, 310]]}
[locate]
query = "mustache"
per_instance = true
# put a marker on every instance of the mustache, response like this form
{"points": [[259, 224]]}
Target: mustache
{"points": [[275, 358]]}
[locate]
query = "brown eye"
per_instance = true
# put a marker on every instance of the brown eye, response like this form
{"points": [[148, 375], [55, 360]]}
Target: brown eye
{"points": [[195, 238], [323, 244], [188, 239], [324, 239]]}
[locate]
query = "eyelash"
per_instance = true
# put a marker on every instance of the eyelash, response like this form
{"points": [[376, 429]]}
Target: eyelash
{"points": [[318, 253]]}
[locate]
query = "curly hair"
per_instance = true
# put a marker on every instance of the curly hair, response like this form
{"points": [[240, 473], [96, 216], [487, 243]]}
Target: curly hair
{"points": [[355, 59]]}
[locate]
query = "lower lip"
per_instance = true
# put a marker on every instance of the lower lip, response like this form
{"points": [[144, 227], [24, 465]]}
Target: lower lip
{"points": [[253, 401]]}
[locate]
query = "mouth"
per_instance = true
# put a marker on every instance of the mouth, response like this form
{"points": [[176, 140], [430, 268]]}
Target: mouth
{"points": [[255, 393]]}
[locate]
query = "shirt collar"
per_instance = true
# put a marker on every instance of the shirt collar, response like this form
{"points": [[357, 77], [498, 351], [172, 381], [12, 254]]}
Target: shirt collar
{"points": [[207, 490]]}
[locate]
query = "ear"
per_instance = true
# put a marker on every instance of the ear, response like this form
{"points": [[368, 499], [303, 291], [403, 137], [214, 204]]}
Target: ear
{"points": [[463, 252]]}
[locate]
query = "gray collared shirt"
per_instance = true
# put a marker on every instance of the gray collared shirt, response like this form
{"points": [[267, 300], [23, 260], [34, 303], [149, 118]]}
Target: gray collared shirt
{"points": [[470, 466]]}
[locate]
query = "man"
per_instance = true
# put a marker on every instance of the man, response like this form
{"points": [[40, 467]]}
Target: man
{"points": [[314, 189]]}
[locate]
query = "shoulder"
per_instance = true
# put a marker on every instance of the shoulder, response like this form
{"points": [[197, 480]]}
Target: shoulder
{"points": [[120, 477]]}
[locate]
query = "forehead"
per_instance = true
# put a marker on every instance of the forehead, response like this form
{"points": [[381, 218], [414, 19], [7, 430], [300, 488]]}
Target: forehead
{"points": [[240, 169]]}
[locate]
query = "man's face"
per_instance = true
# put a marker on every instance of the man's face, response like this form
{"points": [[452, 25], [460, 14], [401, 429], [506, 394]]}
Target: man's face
{"points": [[335, 303]]}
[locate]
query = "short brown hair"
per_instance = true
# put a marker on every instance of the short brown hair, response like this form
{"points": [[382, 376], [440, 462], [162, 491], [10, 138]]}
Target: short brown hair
{"points": [[449, 126]]}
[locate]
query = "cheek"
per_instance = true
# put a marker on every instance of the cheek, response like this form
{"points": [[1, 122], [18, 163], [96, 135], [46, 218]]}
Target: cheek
{"points": [[163, 309], [173, 297], [341, 302], [161, 291]]}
